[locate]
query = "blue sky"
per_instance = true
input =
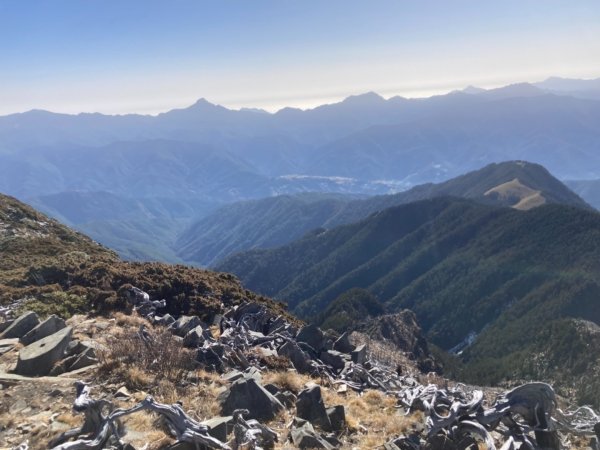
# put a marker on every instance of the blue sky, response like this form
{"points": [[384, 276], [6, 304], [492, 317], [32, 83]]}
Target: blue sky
{"points": [[149, 56]]}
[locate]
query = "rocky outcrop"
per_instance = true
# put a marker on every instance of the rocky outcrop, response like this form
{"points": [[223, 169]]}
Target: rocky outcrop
{"points": [[21, 326], [49, 326], [403, 331], [39, 357], [247, 393]]}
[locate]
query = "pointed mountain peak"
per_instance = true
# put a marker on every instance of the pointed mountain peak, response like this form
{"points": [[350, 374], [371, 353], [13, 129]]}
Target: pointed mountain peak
{"points": [[202, 103]]}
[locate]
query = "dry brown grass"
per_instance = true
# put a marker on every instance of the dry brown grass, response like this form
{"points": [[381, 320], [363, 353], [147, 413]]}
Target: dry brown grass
{"points": [[287, 380], [373, 411], [141, 365], [129, 320]]}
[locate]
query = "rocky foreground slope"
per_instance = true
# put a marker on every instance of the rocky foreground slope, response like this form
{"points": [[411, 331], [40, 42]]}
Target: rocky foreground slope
{"points": [[250, 379]]}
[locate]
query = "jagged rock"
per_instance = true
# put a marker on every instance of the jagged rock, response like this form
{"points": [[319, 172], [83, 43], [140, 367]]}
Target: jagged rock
{"points": [[7, 345], [195, 337], [304, 436], [184, 325], [165, 320], [311, 335], [337, 417], [219, 427], [248, 394], [21, 326], [310, 406], [253, 372], [211, 357], [39, 357], [343, 344], [287, 398], [297, 356], [232, 376], [85, 359], [246, 308], [76, 348], [49, 326], [136, 295], [334, 359], [122, 393], [359, 355], [63, 366]]}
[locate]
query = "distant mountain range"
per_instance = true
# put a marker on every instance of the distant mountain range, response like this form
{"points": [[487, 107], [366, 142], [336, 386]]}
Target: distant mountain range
{"points": [[278, 220], [206, 156]]}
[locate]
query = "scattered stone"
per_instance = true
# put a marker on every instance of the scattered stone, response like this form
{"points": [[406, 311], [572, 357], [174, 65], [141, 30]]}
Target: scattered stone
{"points": [[311, 335], [310, 407], [219, 427], [39, 358], [185, 324], [165, 320], [343, 344], [62, 366], [359, 355], [232, 376], [24, 324], [287, 398], [334, 359], [195, 337], [300, 360], [87, 358], [247, 394], [337, 417], [7, 345], [342, 389], [123, 393], [49, 326], [304, 437]]}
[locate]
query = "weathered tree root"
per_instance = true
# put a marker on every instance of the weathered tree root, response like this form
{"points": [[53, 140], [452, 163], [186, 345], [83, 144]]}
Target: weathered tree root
{"points": [[98, 429]]}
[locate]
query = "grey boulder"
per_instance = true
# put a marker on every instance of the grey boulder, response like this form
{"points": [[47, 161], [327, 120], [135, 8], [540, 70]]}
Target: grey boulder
{"points": [[185, 324], [343, 344], [246, 393], [311, 335], [219, 427], [49, 326], [38, 358], [310, 407], [20, 327], [334, 359], [359, 355], [304, 436]]}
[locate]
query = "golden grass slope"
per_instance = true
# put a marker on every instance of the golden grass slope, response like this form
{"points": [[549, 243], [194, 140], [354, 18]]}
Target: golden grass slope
{"points": [[517, 195]]}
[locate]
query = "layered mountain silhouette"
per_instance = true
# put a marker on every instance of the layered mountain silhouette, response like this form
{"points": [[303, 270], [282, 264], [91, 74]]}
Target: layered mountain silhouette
{"points": [[206, 155], [278, 220]]}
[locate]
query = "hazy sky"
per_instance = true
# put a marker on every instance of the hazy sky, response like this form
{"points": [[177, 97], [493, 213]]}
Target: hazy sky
{"points": [[118, 56]]}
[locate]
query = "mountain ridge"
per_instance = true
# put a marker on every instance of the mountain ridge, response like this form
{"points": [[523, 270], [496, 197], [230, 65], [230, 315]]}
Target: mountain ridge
{"points": [[292, 217]]}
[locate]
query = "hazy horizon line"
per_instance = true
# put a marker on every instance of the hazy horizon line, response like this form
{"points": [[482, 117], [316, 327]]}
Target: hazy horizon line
{"points": [[319, 100]]}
